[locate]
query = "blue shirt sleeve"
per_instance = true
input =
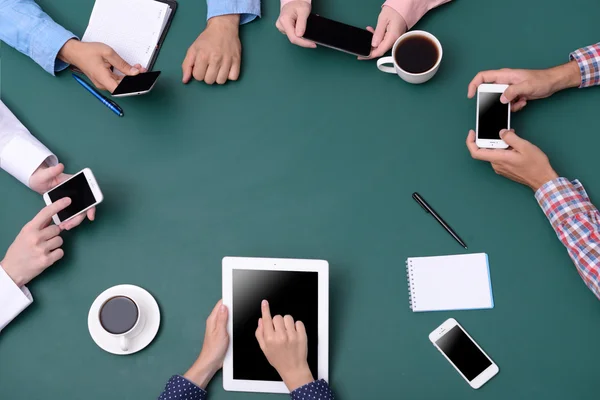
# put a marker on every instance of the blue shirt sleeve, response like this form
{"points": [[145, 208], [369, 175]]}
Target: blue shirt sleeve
{"points": [[317, 390], [248, 9], [24, 26], [179, 388]]}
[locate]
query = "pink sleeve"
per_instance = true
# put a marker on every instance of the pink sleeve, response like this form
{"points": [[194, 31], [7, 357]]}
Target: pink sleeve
{"points": [[411, 10], [284, 2]]}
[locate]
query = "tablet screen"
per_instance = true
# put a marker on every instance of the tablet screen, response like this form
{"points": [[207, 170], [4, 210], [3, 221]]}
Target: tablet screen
{"points": [[288, 292]]}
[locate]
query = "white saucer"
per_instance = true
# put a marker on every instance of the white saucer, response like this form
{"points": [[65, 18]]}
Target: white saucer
{"points": [[148, 306]]}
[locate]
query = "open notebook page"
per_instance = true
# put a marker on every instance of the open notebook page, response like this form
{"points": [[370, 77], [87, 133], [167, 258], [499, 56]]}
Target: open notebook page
{"points": [[458, 282], [131, 27]]}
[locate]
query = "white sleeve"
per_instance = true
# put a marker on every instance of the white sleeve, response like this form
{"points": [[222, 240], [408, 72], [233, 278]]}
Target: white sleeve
{"points": [[13, 300], [20, 153]]}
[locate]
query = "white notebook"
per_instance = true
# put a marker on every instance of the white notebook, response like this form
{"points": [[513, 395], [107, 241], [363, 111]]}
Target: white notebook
{"points": [[460, 282], [131, 27]]}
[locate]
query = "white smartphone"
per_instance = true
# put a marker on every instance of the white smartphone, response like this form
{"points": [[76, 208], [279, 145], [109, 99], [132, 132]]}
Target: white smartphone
{"points": [[82, 189], [464, 354], [492, 116], [136, 85]]}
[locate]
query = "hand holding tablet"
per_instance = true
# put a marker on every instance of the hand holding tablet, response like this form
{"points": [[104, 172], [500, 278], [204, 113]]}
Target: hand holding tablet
{"points": [[285, 345]]}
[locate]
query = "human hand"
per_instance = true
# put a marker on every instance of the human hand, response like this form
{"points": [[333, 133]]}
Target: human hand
{"points": [[526, 84], [292, 22], [36, 247], [216, 342], [523, 162], [390, 26], [216, 55], [96, 61], [285, 345], [46, 178]]}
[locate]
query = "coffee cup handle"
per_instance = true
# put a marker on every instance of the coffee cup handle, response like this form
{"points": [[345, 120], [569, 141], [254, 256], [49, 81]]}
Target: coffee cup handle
{"points": [[124, 343], [385, 68]]}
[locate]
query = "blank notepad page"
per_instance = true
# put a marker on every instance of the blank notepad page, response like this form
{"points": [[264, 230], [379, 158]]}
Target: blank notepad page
{"points": [[459, 282], [131, 27]]}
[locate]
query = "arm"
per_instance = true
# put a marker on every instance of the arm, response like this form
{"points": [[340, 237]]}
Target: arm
{"points": [[316, 390], [413, 10], [577, 224], [248, 10], [588, 60], [13, 299], [24, 26]]}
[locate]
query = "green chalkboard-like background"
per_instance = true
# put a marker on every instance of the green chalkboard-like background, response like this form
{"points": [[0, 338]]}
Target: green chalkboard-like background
{"points": [[311, 154]]}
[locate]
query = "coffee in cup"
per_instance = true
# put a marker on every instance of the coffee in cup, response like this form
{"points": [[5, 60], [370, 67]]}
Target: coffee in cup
{"points": [[416, 57], [121, 317]]}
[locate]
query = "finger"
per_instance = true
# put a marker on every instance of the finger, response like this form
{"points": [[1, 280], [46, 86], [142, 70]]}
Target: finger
{"points": [[54, 243], [279, 26], [301, 330], [288, 25], [370, 29], [494, 76], [260, 334], [224, 72], [91, 213], [266, 317], [211, 73], [278, 324], [200, 67], [50, 232], [221, 323], [116, 61], [44, 217], [519, 105], [108, 81], [212, 317], [55, 256], [234, 72], [483, 154], [73, 222], [384, 46], [301, 22], [514, 141], [514, 91], [290, 327], [47, 175], [379, 32], [187, 67]]}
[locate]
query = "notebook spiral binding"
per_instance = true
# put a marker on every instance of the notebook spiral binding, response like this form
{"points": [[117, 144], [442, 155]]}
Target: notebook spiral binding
{"points": [[412, 297]]}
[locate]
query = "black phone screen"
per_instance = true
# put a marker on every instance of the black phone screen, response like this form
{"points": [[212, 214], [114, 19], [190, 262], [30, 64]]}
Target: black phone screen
{"points": [[80, 193], [338, 35], [288, 293], [493, 116], [463, 353], [138, 83]]}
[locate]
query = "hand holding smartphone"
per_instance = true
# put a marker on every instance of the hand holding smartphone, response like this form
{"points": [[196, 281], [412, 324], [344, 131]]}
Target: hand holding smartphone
{"points": [[136, 84], [463, 353], [338, 36], [84, 192], [492, 116]]}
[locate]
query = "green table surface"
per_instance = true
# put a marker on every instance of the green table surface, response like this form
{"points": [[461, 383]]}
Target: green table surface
{"points": [[311, 154]]}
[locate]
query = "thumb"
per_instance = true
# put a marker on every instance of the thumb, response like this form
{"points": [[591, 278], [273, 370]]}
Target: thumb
{"points": [[301, 22], [379, 32], [512, 92], [222, 318], [116, 61], [47, 175], [511, 139]]}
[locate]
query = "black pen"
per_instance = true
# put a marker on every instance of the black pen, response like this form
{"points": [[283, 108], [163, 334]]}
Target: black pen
{"points": [[439, 219]]}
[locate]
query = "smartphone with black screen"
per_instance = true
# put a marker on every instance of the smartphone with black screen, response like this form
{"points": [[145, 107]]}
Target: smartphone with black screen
{"points": [[137, 84], [338, 36]]}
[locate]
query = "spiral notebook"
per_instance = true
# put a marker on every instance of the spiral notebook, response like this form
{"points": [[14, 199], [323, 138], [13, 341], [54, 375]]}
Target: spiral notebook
{"points": [[460, 282]]}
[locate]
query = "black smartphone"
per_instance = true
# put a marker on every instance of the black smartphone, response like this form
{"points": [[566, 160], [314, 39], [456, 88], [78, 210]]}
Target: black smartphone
{"points": [[137, 84], [338, 36]]}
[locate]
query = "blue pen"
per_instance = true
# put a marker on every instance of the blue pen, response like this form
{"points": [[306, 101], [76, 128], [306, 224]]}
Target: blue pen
{"points": [[114, 107]]}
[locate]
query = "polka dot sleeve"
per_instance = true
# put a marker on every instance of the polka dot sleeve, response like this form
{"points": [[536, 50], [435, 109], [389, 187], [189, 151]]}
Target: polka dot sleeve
{"points": [[179, 388], [317, 390]]}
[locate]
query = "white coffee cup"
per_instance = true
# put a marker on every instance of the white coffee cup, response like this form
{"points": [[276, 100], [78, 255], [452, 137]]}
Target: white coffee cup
{"points": [[126, 336], [407, 76]]}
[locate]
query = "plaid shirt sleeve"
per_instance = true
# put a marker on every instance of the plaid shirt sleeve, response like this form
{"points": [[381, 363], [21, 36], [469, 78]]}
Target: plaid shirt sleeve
{"points": [[577, 225], [588, 59]]}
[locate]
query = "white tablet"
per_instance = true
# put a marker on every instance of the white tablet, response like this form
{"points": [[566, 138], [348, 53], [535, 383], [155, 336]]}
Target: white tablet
{"points": [[299, 288]]}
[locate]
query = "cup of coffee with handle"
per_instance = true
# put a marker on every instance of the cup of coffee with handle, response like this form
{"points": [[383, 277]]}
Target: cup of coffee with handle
{"points": [[416, 57], [122, 318]]}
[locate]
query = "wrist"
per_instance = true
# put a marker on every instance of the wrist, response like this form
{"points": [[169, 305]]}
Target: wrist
{"points": [[566, 76], [68, 53], [541, 180], [201, 373], [297, 378], [228, 21], [12, 274]]}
